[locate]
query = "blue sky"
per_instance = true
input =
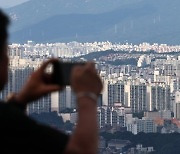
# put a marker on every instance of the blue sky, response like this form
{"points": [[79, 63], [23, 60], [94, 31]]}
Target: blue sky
{"points": [[9, 3]]}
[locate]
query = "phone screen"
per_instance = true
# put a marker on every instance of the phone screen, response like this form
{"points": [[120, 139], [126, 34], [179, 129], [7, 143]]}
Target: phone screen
{"points": [[62, 72]]}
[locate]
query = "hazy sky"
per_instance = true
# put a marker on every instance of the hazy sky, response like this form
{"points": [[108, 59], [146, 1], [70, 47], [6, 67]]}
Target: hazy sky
{"points": [[9, 3]]}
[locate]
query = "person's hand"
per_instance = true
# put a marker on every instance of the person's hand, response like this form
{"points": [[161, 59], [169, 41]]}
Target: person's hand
{"points": [[86, 79], [39, 84]]}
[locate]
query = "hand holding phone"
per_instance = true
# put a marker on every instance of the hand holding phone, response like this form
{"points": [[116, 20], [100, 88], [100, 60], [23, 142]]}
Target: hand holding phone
{"points": [[62, 72], [86, 82]]}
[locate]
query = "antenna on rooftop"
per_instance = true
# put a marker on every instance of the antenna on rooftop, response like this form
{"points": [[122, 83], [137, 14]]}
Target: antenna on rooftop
{"points": [[132, 24], [154, 21], [115, 29], [159, 18], [76, 35]]}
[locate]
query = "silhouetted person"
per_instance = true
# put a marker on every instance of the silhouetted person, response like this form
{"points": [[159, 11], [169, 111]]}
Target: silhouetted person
{"points": [[20, 134]]}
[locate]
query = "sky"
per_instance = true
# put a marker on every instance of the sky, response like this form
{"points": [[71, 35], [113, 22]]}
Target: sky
{"points": [[10, 3]]}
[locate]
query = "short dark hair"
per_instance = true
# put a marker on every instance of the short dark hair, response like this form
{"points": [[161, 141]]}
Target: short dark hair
{"points": [[4, 22]]}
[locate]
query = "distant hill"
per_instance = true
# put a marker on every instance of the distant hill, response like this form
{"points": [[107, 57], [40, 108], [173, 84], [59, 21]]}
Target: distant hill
{"points": [[97, 55], [34, 11], [132, 21]]}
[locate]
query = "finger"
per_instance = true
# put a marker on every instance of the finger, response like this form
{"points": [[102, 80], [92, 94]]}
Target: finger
{"points": [[91, 67], [77, 68], [52, 88], [47, 78]]}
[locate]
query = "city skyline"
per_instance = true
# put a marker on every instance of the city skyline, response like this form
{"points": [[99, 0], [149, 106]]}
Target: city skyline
{"points": [[135, 45], [138, 97]]}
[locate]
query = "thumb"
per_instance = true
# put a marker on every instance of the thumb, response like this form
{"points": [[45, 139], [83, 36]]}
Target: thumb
{"points": [[51, 88]]}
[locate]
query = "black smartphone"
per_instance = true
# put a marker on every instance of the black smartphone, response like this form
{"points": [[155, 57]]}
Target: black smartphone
{"points": [[62, 72]]}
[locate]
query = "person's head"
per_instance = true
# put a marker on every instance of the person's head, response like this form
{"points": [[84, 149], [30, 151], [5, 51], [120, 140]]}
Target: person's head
{"points": [[4, 21]]}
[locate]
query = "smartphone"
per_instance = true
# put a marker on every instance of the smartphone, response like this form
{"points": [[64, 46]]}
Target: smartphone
{"points": [[62, 72]]}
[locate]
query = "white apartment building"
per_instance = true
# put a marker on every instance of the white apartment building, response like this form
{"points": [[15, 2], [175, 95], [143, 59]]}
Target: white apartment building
{"points": [[67, 99], [177, 105], [166, 114], [116, 93], [40, 106], [158, 97], [112, 116], [169, 66], [142, 125], [135, 96]]}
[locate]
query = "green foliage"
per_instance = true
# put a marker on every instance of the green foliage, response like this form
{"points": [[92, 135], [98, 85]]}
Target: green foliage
{"points": [[162, 143], [52, 119], [99, 54], [130, 61]]}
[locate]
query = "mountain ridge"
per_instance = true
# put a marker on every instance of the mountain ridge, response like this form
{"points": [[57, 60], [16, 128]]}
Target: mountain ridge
{"points": [[135, 22]]}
